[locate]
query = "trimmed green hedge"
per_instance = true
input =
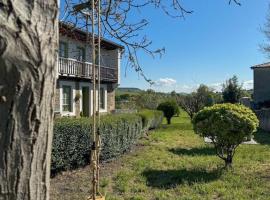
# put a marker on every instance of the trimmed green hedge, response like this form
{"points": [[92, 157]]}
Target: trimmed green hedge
{"points": [[71, 141], [151, 118]]}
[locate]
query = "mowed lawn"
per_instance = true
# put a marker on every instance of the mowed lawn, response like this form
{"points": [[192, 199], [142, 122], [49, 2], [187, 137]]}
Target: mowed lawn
{"points": [[174, 163]]}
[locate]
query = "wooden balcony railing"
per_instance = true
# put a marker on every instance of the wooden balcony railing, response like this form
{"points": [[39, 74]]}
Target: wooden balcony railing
{"points": [[70, 67]]}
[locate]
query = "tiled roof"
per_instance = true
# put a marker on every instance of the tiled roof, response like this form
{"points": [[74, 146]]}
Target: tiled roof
{"points": [[264, 65]]}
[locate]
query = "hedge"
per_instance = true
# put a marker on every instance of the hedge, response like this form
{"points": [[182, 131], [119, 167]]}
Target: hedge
{"points": [[151, 119], [71, 140]]}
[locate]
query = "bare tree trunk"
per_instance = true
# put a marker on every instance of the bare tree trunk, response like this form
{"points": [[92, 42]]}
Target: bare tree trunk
{"points": [[28, 61]]}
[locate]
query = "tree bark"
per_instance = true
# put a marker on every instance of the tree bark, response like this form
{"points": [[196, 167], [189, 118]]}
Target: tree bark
{"points": [[228, 160], [28, 61], [168, 120]]}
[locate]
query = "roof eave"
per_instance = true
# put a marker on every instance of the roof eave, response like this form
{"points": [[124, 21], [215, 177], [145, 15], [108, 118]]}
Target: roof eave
{"points": [[261, 66], [117, 46]]}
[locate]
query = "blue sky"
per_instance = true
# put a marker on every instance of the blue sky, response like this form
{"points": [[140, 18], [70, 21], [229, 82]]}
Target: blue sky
{"points": [[211, 45]]}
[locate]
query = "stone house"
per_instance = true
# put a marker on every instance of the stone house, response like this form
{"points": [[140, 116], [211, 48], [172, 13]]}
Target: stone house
{"points": [[261, 83], [261, 94], [74, 89]]}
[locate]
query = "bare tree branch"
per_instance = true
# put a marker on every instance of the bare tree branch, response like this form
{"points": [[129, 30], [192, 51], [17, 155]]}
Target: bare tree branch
{"points": [[116, 24]]}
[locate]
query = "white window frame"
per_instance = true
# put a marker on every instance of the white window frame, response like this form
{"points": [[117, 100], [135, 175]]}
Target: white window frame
{"points": [[91, 92], [104, 86], [85, 84], [72, 85], [105, 100], [119, 65]]}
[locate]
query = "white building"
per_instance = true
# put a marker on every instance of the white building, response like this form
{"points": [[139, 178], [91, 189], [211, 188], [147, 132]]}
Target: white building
{"points": [[74, 91]]}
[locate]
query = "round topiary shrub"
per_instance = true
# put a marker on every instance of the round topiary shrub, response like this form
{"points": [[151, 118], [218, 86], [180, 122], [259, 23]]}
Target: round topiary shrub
{"points": [[169, 108], [227, 125]]}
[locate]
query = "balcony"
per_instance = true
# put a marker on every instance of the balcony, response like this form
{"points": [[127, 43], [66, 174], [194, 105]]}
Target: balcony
{"points": [[73, 68]]}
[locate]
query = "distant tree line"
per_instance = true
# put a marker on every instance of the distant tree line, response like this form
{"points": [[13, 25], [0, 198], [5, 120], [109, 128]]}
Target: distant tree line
{"points": [[232, 92]]}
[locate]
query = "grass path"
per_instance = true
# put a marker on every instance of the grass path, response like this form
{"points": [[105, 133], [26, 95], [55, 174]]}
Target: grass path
{"points": [[173, 163]]}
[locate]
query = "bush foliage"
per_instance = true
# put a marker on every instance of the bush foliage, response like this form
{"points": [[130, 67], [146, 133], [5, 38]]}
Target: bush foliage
{"points": [[72, 141], [151, 119], [169, 109], [232, 91], [227, 125]]}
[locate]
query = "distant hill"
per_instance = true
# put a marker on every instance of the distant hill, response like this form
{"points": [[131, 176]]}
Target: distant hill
{"points": [[126, 90]]}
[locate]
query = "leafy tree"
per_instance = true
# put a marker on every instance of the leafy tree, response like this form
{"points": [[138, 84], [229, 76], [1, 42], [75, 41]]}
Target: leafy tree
{"points": [[173, 94], [176, 107], [169, 109], [217, 97], [227, 125], [124, 97], [150, 91], [232, 91], [148, 100], [177, 111], [204, 96]]}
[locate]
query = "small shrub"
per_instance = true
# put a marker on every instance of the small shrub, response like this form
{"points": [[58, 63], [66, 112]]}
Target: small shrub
{"points": [[227, 125], [177, 111], [151, 119], [169, 109]]}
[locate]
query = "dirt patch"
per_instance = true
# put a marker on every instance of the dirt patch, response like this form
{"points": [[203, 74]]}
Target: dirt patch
{"points": [[76, 184]]}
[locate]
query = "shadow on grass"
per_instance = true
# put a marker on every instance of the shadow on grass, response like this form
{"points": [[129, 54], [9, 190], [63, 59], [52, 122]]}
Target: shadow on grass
{"points": [[262, 137], [203, 151], [167, 179]]}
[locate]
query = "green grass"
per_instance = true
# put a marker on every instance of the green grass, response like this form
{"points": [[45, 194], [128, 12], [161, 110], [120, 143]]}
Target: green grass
{"points": [[177, 164], [174, 163]]}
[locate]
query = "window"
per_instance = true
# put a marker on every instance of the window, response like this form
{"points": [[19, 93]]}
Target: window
{"points": [[102, 98], [67, 99], [63, 49], [81, 54], [97, 57]]}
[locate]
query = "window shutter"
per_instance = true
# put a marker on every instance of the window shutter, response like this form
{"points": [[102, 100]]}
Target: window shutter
{"points": [[66, 50]]}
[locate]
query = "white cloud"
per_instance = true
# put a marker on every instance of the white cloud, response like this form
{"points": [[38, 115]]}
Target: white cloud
{"points": [[217, 87], [248, 84], [165, 85], [170, 84], [186, 88], [165, 82]]}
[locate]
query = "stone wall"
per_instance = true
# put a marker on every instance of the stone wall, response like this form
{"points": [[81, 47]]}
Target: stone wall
{"points": [[109, 58], [261, 87], [264, 117], [111, 97]]}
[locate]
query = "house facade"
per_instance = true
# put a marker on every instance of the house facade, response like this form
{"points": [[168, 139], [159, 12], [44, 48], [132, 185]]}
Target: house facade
{"points": [[261, 83], [74, 89]]}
